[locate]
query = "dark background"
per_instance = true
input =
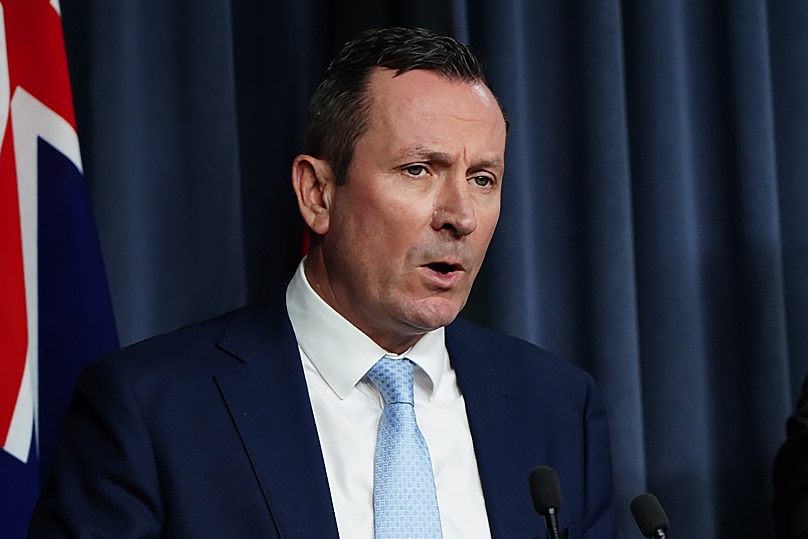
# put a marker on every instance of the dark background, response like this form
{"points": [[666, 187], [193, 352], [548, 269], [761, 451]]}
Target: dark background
{"points": [[653, 227]]}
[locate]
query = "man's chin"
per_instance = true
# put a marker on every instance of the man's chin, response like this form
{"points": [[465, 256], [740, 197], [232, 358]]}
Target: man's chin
{"points": [[434, 313]]}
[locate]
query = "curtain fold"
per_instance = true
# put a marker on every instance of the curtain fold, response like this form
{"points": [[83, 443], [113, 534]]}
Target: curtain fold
{"points": [[789, 55], [155, 104]]}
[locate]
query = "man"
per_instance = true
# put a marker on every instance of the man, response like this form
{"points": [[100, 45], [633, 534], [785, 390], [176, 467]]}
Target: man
{"points": [[263, 422], [791, 475]]}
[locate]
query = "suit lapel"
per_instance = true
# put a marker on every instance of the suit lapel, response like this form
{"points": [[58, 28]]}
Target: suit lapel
{"points": [[268, 400], [267, 397], [504, 429]]}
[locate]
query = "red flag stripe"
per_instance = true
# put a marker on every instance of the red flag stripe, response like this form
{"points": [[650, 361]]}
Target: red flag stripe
{"points": [[35, 102], [13, 317]]}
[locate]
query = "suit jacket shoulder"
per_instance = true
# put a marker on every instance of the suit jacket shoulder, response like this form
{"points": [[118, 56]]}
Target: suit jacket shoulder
{"points": [[526, 408], [203, 432]]}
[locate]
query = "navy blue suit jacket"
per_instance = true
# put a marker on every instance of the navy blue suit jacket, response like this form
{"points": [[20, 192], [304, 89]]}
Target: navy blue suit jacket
{"points": [[208, 432]]}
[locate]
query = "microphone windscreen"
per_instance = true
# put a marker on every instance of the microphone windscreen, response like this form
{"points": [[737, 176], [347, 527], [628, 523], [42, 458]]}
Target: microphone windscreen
{"points": [[648, 514], [545, 490]]}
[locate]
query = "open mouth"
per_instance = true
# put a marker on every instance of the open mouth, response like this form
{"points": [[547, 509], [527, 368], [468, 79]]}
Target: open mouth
{"points": [[443, 267]]}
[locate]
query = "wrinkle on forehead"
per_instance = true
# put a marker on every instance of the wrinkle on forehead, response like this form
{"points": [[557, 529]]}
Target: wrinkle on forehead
{"points": [[425, 117], [384, 77]]}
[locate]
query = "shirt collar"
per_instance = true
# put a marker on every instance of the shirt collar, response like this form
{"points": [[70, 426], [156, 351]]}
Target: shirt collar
{"points": [[340, 352]]}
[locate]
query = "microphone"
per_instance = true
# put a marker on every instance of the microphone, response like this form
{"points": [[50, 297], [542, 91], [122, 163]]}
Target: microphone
{"points": [[546, 497], [649, 516]]}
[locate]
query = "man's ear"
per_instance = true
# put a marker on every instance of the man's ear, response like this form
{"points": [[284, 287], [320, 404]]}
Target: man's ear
{"points": [[314, 183]]}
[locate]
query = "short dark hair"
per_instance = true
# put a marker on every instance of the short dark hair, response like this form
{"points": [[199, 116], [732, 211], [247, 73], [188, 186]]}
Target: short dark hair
{"points": [[338, 112]]}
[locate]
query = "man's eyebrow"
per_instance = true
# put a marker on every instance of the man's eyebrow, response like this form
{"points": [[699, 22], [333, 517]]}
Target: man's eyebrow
{"points": [[426, 154], [489, 163]]}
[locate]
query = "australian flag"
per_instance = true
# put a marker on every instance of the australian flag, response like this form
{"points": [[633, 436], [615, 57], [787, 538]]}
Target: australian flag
{"points": [[55, 311]]}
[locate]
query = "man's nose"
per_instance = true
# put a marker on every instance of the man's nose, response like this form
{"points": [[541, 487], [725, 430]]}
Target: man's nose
{"points": [[454, 207]]}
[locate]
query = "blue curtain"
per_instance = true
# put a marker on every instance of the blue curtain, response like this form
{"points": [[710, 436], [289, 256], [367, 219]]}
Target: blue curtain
{"points": [[653, 215]]}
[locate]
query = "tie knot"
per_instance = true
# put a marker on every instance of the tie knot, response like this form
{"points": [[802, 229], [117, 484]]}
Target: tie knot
{"points": [[393, 379]]}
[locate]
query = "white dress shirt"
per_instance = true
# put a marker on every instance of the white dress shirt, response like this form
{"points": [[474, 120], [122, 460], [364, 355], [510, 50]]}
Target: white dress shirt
{"points": [[347, 407]]}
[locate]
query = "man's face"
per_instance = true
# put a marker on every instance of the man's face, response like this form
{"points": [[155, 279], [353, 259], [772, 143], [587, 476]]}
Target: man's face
{"points": [[408, 231]]}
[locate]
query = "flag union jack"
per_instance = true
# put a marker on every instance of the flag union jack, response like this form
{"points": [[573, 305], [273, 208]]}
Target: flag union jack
{"points": [[55, 313], [35, 104]]}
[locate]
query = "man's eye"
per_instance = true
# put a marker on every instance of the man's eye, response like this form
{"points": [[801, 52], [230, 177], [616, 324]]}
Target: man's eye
{"points": [[483, 181], [415, 170]]}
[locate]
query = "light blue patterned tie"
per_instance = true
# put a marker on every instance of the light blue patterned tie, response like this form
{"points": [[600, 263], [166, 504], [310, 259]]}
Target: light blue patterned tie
{"points": [[405, 503]]}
